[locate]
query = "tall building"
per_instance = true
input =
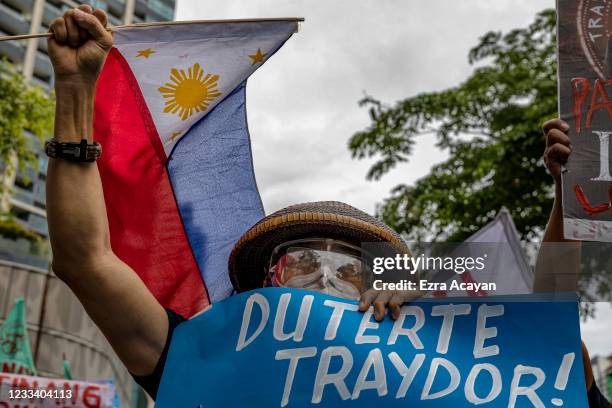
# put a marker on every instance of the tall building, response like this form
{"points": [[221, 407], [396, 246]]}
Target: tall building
{"points": [[57, 323], [25, 16]]}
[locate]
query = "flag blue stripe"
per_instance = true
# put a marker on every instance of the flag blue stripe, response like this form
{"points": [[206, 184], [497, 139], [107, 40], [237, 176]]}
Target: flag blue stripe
{"points": [[211, 171]]}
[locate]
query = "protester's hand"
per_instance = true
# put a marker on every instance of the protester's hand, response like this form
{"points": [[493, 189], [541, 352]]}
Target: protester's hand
{"points": [[558, 147], [79, 45], [381, 299]]}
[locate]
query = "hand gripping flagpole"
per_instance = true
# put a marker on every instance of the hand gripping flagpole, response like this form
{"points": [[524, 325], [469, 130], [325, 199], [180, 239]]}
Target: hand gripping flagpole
{"points": [[160, 23]]}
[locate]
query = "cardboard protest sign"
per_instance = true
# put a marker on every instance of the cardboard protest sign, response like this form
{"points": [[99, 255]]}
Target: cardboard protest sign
{"points": [[585, 103], [20, 391], [278, 347]]}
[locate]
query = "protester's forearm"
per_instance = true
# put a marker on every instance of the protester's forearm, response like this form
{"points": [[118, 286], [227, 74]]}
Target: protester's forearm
{"points": [[554, 228], [78, 225], [558, 262], [113, 295], [74, 111]]}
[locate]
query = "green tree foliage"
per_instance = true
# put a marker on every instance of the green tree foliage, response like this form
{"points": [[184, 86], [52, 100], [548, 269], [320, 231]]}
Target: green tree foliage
{"points": [[22, 107], [490, 125]]}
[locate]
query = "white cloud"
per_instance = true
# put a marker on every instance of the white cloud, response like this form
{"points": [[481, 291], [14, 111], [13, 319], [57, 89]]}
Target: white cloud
{"points": [[596, 332]]}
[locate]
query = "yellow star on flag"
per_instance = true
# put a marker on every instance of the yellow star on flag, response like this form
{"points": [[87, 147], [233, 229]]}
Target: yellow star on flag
{"points": [[175, 135], [145, 53], [258, 57], [189, 92]]}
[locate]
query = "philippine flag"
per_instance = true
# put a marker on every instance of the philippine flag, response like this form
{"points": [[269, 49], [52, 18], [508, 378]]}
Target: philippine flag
{"points": [[176, 166]]}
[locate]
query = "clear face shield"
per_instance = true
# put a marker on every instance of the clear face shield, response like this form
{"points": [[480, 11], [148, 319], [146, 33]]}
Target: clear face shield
{"points": [[323, 265]]}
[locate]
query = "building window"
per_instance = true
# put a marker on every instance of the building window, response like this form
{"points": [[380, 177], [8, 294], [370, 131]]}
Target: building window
{"points": [[24, 183], [165, 10], [20, 214], [38, 223]]}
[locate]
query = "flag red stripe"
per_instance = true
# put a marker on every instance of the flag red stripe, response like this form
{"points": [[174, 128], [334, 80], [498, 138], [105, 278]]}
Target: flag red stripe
{"points": [[145, 225]]}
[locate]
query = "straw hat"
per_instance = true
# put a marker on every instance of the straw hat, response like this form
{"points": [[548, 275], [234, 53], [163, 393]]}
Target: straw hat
{"points": [[248, 262]]}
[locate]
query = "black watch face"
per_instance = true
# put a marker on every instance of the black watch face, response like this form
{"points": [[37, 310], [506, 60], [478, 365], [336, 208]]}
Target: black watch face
{"points": [[71, 152]]}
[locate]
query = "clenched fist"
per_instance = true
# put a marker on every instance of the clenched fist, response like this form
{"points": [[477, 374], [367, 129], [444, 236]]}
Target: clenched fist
{"points": [[79, 45], [558, 147]]}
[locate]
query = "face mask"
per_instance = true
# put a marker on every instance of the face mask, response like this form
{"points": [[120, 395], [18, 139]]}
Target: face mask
{"points": [[324, 281], [326, 266]]}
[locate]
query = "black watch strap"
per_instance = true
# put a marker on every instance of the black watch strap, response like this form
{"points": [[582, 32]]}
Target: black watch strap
{"points": [[73, 151]]}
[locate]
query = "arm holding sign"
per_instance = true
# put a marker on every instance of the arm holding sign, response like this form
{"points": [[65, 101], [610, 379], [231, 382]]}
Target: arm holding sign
{"points": [[111, 292], [558, 263]]}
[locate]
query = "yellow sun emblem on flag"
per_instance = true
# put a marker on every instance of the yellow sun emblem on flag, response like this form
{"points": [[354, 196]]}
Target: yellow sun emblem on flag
{"points": [[189, 92]]}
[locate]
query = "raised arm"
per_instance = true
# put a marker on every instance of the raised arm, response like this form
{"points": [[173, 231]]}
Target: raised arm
{"points": [[114, 296], [558, 263]]}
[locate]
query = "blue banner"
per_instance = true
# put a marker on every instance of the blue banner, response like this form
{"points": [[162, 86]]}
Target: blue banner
{"points": [[277, 347]]}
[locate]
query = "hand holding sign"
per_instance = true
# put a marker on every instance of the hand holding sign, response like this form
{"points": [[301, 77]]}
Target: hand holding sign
{"points": [[381, 299], [558, 147]]}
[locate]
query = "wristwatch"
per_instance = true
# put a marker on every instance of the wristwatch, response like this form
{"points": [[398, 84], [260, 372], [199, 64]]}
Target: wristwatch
{"points": [[73, 151]]}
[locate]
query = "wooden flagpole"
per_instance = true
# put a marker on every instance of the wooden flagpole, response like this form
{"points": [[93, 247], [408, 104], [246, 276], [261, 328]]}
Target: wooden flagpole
{"points": [[160, 23]]}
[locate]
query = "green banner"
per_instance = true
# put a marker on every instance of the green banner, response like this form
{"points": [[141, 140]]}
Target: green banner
{"points": [[67, 370], [15, 353]]}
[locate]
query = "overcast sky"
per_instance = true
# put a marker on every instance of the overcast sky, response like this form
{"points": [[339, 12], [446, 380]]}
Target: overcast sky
{"points": [[302, 104]]}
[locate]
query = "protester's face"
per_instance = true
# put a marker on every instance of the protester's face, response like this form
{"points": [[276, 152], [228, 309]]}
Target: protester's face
{"points": [[323, 269]]}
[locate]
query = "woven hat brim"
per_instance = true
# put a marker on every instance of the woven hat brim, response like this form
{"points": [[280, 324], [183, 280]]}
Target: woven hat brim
{"points": [[248, 261]]}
